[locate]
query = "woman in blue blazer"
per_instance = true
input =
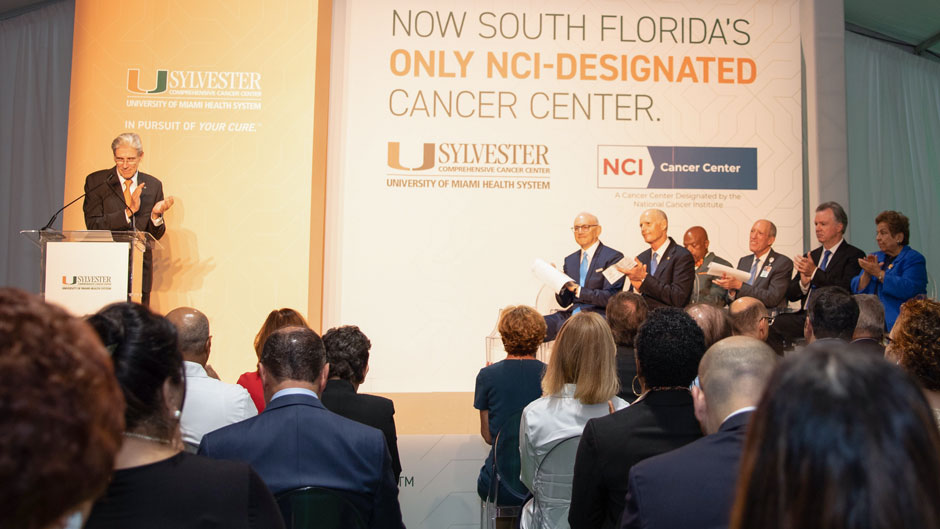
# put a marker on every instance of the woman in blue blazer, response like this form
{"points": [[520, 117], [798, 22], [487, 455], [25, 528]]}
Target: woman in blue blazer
{"points": [[895, 274]]}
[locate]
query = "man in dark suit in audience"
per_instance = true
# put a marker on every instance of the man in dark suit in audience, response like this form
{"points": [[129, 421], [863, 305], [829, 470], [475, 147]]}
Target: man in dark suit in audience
{"points": [[870, 329], [664, 273], [693, 486], [296, 442], [626, 311], [833, 263], [589, 289], [770, 271], [749, 317], [831, 317], [347, 351]]}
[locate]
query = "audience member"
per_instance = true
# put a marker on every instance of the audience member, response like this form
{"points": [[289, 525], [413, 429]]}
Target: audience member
{"points": [[693, 486], [664, 273], [915, 346], [626, 311], [589, 289], [770, 271], [277, 319], [897, 272], [296, 442], [833, 263], [347, 352], [210, 404], [61, 415], [669, 346], [505, 388], [839, 441], [831, 316], [156, 484], [749, 317], [870, 329], [695, 241], [580, 383], [712, 320]]}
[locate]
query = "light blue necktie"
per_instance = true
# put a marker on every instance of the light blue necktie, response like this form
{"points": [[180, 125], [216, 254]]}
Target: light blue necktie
{"points": [[584, 273], [653, 264], [753, 271]]}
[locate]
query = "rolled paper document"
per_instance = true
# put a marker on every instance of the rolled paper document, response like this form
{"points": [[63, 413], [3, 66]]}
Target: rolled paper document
{"points": [[716, 269], [549, 275]]}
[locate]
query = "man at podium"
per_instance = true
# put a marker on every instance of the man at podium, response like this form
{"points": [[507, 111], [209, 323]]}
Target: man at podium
{"points": [[123, 199]]}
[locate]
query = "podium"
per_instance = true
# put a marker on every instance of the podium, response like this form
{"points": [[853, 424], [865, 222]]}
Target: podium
{"points": [[85, 270]]}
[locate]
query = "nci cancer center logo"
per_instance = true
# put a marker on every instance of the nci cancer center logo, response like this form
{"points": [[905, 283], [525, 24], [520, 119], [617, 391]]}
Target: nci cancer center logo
{"points": [[662, 167]]}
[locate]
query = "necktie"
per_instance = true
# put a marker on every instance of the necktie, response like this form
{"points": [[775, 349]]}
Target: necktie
{"points": [[653, 263], [822, 266], [825, 261], [584, 272], [753, 271], [127, 192]]}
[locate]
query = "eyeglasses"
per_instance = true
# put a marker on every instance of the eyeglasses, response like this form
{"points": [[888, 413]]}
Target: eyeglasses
{"points": [[583, 227], [129, 161], [770, 319]]}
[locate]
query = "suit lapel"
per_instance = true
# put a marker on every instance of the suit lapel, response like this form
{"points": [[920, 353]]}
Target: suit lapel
{"points": [[666, 256]]}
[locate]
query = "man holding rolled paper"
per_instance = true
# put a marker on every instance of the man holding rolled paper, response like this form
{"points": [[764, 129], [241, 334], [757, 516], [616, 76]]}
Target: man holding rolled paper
{"points": [[768, 271], [588, 288], [664, 274]]}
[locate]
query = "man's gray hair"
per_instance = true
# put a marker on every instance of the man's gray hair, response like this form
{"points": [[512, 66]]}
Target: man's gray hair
{"points": [[128, 138], [871, 317]]}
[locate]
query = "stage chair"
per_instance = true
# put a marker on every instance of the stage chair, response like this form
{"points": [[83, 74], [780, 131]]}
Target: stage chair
{"points": [[319, 508]]}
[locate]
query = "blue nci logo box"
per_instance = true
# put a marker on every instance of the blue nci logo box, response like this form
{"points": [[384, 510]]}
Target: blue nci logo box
{"points": [[645, 167]]}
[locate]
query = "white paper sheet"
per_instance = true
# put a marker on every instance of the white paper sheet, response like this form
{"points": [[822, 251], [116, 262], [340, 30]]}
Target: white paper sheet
{"points": [[717, 269], [613, 275]]}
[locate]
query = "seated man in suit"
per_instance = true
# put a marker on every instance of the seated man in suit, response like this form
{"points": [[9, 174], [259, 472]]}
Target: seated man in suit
{"points": [[695, 241], [833, 263], [870, 329], [296, 442], [749, 317], [589, 289], [830, 317], [347, 351], [693, 486], [210, 403], [770, 271], [664, 274]]}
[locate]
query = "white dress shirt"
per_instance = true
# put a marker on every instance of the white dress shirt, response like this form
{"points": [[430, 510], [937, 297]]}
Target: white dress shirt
{"points": [[211, 404]]}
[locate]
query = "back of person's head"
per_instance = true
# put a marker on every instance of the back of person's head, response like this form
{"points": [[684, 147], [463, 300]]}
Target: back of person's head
{"points": [[584, 354], [915, 341], [294, 353], [840, 441], [192, 331], [347, 351], [626, 311], [277, 319], [746, 315], [522, 330], [871, 317], [669, 347], [146, 356], [832, 313], [61, 413], [732, 375], [712, 320]]}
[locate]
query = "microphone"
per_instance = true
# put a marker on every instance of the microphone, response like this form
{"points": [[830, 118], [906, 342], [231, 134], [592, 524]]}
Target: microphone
{"points": [[49, 224]]}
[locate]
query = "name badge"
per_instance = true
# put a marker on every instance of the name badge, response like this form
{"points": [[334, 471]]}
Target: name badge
{"points": [[765, 272]]}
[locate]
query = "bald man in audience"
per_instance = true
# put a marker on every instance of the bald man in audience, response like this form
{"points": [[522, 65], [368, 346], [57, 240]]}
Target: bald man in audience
{"points": [[693, 486], [870, 329], [769, 271], [749, 317], [664, 274], [712, 320], [209, 404], [695, 241], [626, 311]]}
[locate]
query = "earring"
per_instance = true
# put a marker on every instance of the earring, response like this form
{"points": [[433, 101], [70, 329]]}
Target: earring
{"points": [[633, 385], [177, 414]]}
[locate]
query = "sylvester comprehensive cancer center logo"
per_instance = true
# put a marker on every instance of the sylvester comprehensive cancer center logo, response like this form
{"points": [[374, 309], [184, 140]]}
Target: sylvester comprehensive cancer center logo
{"points": [[86, 282], [209, 83], [471, 158], [133, 82]]}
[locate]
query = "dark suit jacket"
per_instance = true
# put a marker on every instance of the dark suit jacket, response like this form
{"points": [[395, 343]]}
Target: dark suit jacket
{"points": [[771, 290], [596, 290], [705, 290], [626, 371], [691, 487], [611, 445], [841, 268], [340, 397], [672, 284], [869, 346], [104, 210], [297, 442]]}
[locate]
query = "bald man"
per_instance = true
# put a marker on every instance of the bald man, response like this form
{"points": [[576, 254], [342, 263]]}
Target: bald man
{"points": [[770, 271], [695, 241], [209, 404], [749, 317], [588, 288], [664, 274], [693, 486]]}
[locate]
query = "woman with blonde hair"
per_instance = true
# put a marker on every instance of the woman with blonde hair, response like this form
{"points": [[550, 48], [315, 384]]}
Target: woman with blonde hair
{"points": [[580, 383]]}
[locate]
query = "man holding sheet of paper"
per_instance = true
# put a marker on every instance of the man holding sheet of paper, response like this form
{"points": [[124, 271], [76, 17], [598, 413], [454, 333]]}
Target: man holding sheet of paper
{"points": [[588, 289], [664, 274], [768, 271]]}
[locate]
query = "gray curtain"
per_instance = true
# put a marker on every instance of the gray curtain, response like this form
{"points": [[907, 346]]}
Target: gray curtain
{"points": [[893, 111], [35, 67]]}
